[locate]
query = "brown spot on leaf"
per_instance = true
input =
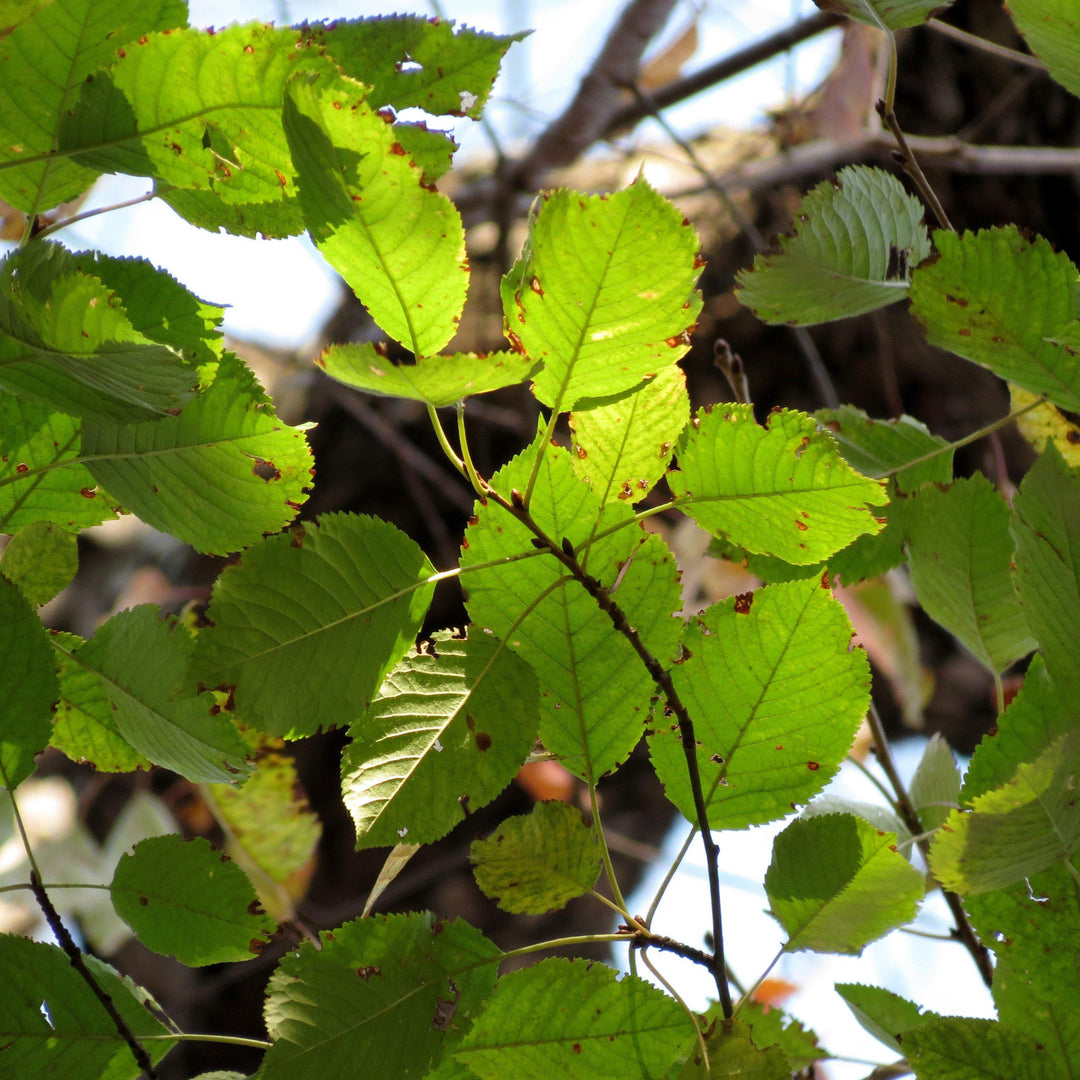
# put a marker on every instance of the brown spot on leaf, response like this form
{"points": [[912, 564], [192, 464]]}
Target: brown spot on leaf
{"points": [[22, 467], [88, 493], [813, 766], [801, 526], [743, 602]]}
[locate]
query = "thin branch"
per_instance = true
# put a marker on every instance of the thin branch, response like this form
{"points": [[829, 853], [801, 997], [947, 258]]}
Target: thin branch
{"points": [[52, 917], [599, 96], [727, 68], [991, 47], [910, 817], [564, 553]]}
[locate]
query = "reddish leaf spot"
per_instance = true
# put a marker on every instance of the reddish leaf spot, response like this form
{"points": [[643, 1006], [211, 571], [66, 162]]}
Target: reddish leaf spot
{"points": [[22, 467], [964, 332], [88, 493], [581, 452], [249, 49], [801, 526], [959, 301], [534, 284], [813, 766], [576, 1048], [1073, 437], [255, 908], [743, 602], [121, 53], [483, 741], [397, 149], [143, 901], [256, 946], [284, 183]]}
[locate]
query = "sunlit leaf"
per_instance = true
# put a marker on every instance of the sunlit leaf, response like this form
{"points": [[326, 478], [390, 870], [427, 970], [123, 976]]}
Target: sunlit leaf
{"points": [[390, 992], [573, 1019], [86, 728], [734, 1051], [959, 552], [436, 380], [339, 600], [776, 699], [66, 339], [184, 899], [537, 862], [854, 243], [1017, 830], [399, 245], [604, 294], [1004, 301], [836, 883], [44, 64], [142, 661], [40, 559], [28, 686], [935, 787], [622, 446], [39, 480], [1045, 423], [446, 733], [218, 476], [595, 691], [781, 490]]}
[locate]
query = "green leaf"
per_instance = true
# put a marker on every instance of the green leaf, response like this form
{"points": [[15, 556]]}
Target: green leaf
{"points": [[399, 246], [44, 64], [574, 1019], [39, 480], [1052, 31], [935, 787], [194, 110], [962, 1048], [781, 490], [410, 61], [1016, 830], [28, 686], [1046, 528], [622, 446], [447, 732], [604, 294], [1003, 301], [78, 1039], [1040, 713], [305, 627], [1031, 926], [67, 340], [537, 862], [959, 551], [852, 250], [85, 727], [142, 661], [390, 992], [734, 1051], [882, 1013], [41, 559], [836, 883], [218, 476], [186, 900], [886, 14], [595, 691], [776, 700], [436, 380], [269, 220], [770, 1027], [271, 831]]}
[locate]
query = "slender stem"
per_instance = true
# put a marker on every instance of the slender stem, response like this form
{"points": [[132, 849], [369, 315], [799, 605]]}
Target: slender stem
{"points": [[56, 226], [534, 472], [670, 875], [444, 442], [686, 1008], [909, 815], [605, 853], [992, 47], [229, 1040], [466, 455], [749, 995], [967, 439], [614, 907]]}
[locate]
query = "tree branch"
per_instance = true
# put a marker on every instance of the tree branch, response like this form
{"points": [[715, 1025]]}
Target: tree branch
{"points": [[600, 95]]}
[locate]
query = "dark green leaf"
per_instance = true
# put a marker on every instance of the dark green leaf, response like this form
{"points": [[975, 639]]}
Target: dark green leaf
{"points": [[882, 1013], [390, 992], [886, 14], [41, 559], [186, 900], [28, 686], [339, 600], [962, 1048], [537, 862]]}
